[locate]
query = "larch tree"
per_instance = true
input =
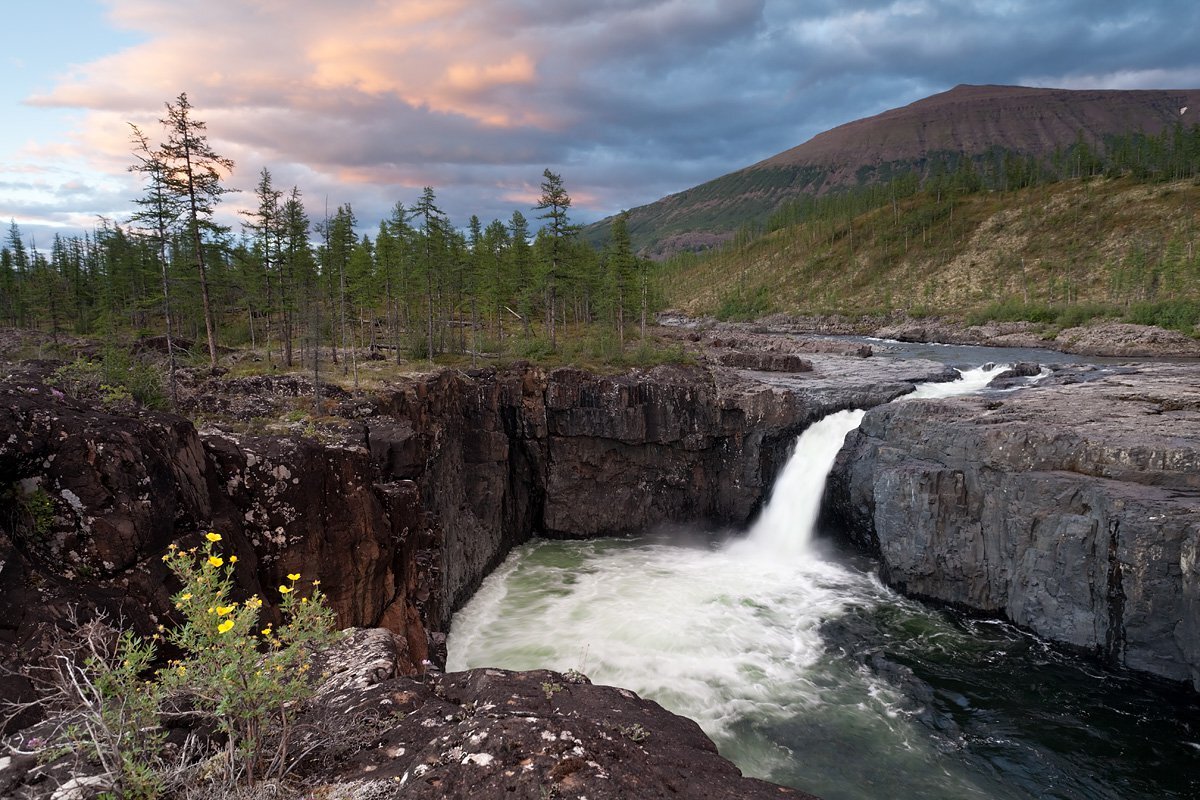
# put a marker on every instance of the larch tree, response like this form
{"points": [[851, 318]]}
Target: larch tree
{"points": [[393, 249], [194, 175], [297, 270], [19, 256], [495, 278], [621, 265], [432, 244], [265, 226], [555, 202], [158, 213], [520, 268]]}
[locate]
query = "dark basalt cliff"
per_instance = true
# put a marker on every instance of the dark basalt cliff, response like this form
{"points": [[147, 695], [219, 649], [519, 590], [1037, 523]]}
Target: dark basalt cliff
{"points": [[401, 508], [1072, 510]]}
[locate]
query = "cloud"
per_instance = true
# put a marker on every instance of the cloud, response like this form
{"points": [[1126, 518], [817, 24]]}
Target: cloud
{"points": [[366, 101]]}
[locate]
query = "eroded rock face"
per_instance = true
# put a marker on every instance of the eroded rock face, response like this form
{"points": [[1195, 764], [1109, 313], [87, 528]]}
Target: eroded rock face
{"points": [[404, 502], [1072, 510]]}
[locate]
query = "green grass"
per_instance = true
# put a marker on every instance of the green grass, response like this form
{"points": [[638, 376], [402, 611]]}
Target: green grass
{"points": [[1069, 253]]}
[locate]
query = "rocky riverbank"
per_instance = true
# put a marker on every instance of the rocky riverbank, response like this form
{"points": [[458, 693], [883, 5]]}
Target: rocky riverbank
{"points": [[1072, 509], [1105, 339]]}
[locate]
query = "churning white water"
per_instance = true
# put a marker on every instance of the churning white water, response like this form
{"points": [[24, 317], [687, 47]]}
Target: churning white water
{"points": [[730, 636]]}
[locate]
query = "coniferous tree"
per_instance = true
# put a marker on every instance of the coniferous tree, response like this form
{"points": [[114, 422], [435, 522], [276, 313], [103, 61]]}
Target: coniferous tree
{"points": [[555, 202], [340, 242], [394, 253], [8, 287], [621, 265], [521, 268], [495, 278], [19, 258], [431, 249], [158, 212], [194, 176], [297, 268], [265, 225]]}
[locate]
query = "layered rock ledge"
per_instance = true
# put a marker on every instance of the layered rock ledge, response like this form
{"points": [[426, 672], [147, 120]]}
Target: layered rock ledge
{"points": [[1072, 510]]}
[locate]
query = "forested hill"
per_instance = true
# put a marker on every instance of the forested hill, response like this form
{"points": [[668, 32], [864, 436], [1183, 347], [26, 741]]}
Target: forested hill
{"points": [[1117, 244], [993, 125]]}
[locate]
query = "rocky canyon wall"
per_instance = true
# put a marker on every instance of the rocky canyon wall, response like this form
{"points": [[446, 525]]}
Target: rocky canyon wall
{"points": [[1072, 510], [400, 503]]}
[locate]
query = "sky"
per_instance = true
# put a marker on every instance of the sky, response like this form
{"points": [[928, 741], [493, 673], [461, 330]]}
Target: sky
{"points": [[367, 101]]}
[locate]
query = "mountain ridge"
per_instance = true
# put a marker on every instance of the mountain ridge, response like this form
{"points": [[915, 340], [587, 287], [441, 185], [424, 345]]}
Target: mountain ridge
{"points": [[970, 119]]}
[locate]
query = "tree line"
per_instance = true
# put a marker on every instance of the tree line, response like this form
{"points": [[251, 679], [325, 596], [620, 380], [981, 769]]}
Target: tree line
{"points": [[296, 287]]}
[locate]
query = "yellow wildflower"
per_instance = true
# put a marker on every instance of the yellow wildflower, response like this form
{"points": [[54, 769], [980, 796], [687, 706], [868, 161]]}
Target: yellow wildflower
{"points": [[223, 610], [216, 561], [233, 559], [293, 576], [303, 599], [284, 589], [182, 670], [225, 626], [213, 537], [266, 631], [186, 596]]}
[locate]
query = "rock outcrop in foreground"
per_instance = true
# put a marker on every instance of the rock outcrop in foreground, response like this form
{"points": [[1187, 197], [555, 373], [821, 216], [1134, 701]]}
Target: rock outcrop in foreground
{"points": [[1072, 510], [373, 732]]}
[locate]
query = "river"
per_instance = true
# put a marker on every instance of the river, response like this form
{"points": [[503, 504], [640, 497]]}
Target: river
{"points": [[806, 670]]}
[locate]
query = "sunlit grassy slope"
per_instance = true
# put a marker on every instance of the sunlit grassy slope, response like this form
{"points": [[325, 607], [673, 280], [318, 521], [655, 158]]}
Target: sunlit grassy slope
{"points": [[1110, 243]]}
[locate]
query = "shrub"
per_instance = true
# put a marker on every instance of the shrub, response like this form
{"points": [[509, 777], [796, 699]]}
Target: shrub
{"points": [[102, 711], [245, 676], [117, 380], [1180, 315], [740, 305], [242, 677]]}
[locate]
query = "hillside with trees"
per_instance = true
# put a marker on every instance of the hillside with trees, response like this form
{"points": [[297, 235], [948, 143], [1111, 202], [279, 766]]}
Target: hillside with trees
{"points": [[1106, 232], [1000, 129]]}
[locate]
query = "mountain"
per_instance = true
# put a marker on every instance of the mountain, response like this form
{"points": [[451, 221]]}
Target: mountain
{"points": [[974, 120]]}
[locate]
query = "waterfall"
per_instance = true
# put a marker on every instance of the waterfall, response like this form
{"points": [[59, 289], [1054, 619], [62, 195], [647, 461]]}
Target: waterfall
{"points": [[786, 524], [785, 527]]}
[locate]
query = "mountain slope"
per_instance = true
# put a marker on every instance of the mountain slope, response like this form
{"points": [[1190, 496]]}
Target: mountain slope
{"points": [[967, 119], [1070, 244]]}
